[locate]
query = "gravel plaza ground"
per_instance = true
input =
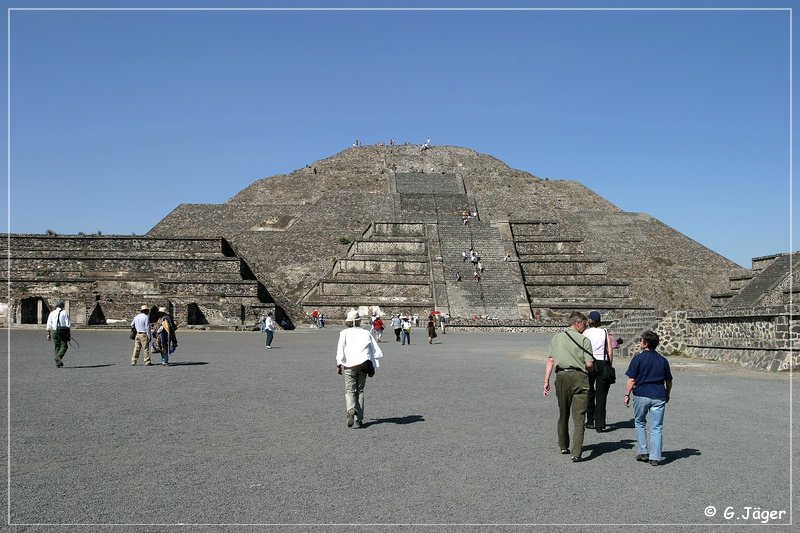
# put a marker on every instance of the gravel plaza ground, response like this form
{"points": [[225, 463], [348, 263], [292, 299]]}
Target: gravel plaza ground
{"points": [[234, 437]]}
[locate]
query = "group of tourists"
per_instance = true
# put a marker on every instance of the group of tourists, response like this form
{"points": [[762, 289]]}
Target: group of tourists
{"points": [[158, 337], [477, 266], [582, 358], [318, 318]]}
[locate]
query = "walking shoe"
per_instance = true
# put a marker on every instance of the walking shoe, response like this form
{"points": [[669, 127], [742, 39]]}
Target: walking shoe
{"points": [[360, 423], [351, 414], [564, 451], [643, 458], [576, 459], [133, 363], [589, 425], [269, 347], [148, 364], [655, 463], [59, 364]]}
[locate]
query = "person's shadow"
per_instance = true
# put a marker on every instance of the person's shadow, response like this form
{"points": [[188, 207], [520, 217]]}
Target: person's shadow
{"points": [[674, 455], [87, 366], [187, 363], [599, 448], [399, 420], [624, 424]]}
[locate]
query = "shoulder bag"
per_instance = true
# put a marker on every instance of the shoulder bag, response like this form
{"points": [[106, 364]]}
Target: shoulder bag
{"points": [[609, 374], [63, 332]]}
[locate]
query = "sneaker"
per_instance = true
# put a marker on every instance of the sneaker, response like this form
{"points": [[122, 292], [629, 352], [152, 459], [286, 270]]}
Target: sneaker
{"points": [[576, 459], [565, 451], [643, 458], [360, 423], [654, 463], [269, 347], [350, 417], [133, 363], [148, 364], [59, 364], [589, 425]]}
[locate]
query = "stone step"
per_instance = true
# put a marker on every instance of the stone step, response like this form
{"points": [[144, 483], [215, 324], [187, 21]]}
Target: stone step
{"points": [[379, 277], [563, 268], [395, 229], [549, 247], [374, 289], [114, 243], [149, 264], [390, 248], [584, 291], [121, 255], [380, 266]]}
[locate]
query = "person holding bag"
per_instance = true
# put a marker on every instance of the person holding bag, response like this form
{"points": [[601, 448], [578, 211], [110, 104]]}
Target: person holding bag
{"points": [[601, 378], [570, 357], [58, 331], [357, 356]]}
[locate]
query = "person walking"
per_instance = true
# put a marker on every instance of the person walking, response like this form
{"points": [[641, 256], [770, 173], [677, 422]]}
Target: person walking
{"points": [[377, 328], [357, 356], [58, 331], [405, 334], [164, 339], [141, 323], [397, 325], [603, 354], [269, 326], [650, 384], [431, 329], [570, 356]]}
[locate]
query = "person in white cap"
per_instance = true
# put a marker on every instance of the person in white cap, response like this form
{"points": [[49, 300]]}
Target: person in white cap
{"points": [[141, 323], [165, 333], [356, 357]]}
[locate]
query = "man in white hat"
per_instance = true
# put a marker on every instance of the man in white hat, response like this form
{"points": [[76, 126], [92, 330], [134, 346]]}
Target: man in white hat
{"points": [[356, 352], [141, 323], [165, 330]]}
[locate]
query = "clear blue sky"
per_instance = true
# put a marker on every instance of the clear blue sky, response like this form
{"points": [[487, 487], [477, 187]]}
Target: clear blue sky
{"points": [[119, 116]]}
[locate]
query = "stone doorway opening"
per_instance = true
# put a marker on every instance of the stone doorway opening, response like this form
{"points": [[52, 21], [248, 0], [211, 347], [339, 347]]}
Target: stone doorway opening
{"points": [[33, 310], [195, 316]]}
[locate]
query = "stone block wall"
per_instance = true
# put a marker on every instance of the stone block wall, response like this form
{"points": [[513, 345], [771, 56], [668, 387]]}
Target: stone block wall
{"points": [[762, 338], [364, 266], [390, 247], [560, 267], [395, 229]]}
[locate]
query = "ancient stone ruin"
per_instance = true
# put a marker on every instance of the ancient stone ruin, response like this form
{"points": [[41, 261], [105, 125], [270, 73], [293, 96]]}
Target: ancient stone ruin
{"points": [[385, 227]]}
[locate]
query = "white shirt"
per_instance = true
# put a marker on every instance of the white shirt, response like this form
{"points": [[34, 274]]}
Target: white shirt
{"points": [[269, 324], [356, 345], [142, 323], [598, 338], [58, 318]]}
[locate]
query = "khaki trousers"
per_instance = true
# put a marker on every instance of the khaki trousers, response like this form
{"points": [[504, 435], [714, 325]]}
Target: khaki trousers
{"points": [[572, 391], [140, 342], [354, 381]]}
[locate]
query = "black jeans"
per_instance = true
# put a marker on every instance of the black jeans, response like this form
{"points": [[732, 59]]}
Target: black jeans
{"points": [[598, 395]]}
